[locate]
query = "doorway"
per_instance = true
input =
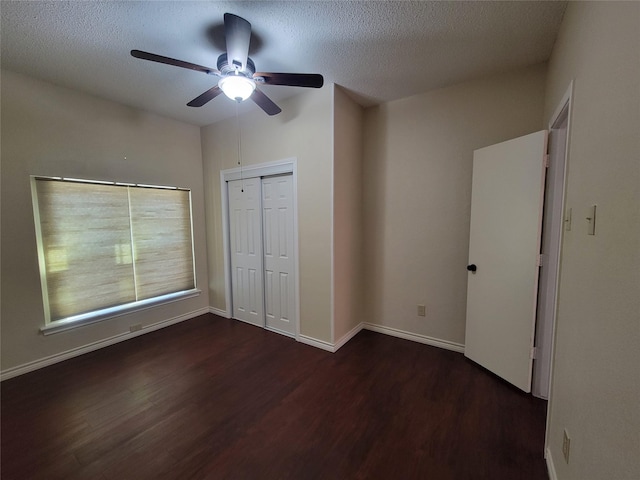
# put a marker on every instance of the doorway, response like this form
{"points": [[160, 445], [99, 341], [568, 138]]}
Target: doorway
{"points": [[526, 358], [553, 221]]}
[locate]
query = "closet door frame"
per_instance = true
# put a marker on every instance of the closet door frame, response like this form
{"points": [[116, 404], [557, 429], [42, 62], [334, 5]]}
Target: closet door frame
{"points": [[279, 167]]}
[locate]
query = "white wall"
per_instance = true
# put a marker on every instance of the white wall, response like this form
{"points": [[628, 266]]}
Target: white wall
{"points": [[303, 130], [418, 155], [347, 214], [596, 372], [49, 130]]}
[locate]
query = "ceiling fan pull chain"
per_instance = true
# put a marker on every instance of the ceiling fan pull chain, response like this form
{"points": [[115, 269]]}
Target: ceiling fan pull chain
{"points": [[239, 150]]}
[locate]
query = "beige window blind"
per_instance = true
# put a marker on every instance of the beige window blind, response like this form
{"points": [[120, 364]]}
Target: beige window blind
{"points": [[103, 246], [161, 232]]}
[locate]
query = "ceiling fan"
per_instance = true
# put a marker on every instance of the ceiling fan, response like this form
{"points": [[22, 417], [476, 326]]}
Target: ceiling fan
{"points": [[237, 72]]}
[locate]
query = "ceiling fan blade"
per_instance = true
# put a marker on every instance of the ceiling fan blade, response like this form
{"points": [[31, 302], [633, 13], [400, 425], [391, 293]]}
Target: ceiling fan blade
{"points": [[238, 35], [265, 103], [172, 61], [205, 97], [312, 80]]}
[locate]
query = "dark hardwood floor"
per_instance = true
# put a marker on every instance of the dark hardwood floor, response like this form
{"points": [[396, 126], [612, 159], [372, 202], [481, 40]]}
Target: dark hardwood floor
{"points": [[215, 398]]}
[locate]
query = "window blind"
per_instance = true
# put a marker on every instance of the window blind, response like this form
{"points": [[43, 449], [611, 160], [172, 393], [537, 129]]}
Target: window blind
{"points": [[161, 232], [103, 246]]}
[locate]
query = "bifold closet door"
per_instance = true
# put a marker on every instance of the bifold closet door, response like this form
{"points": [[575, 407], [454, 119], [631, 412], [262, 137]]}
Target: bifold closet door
{"points": [[277, 218], [245, 232]]}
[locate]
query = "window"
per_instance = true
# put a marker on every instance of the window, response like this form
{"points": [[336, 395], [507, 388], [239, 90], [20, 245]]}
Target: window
{"points": [[107, 248]]}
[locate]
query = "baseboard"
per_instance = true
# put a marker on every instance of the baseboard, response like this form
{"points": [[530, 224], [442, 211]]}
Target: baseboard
{"points": [[394, 332], [74, 352], [347, 336], [314, 342], [551, 469], [416, 337], [220, 313]]}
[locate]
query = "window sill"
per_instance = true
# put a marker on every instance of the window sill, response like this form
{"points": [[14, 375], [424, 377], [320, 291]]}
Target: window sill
{"points": [[108, 313]]}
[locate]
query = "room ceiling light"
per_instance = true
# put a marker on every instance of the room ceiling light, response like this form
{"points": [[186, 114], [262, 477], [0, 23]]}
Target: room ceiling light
{"points": [[237, 71], [237, 87]]}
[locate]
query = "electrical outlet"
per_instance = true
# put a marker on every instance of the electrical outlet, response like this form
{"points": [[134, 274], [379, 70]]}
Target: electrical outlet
{"points": [[136, 327], [566, 445], [422, 311]]}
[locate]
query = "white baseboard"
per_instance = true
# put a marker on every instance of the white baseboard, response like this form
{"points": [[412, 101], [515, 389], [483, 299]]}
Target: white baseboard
{"points": [[416, 337], [314, 342], [347, 336], [551, 469], [394, 332], [74, 352], [220, 313]]}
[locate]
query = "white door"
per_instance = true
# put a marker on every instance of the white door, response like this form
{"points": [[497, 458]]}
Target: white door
{"points": [[506, 219], [277, 208], [245, 235]]}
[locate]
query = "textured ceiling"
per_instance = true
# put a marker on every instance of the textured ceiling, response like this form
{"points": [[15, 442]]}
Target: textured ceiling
{"points": [[377, 50]]}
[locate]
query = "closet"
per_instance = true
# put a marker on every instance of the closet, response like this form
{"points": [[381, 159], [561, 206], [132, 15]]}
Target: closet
{"points": [[261, 251]]}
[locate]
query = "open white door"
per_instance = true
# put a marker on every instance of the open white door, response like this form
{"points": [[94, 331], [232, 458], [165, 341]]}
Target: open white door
{"points": [[504, 245]]}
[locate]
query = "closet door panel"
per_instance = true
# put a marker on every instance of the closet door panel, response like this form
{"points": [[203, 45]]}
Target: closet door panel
{"points": [[277, 216], [245, 228]]}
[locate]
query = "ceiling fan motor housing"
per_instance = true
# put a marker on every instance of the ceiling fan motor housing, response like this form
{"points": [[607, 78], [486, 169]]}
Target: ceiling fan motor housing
{"points": [[226, 69]]}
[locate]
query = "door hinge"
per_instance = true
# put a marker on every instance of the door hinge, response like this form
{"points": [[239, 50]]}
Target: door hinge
{"points": [[541, 260], [534, 353], [546, 161]]}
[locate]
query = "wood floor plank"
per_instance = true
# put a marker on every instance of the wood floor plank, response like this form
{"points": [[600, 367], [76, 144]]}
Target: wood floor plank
{"points": [[216, 398]]}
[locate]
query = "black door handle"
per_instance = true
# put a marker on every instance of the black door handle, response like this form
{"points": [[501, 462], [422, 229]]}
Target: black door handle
{"points": [[472, 267]]}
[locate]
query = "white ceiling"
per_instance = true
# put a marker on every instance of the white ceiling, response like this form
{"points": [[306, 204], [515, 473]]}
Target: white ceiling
{"points": [[377, 50]]}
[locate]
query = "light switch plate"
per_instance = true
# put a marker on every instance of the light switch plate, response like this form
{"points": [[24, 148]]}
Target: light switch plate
{"points": [[591, 218], [567, 220], [566, 445]]}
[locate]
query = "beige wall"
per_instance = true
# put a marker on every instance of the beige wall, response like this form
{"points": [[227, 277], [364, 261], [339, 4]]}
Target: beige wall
{"points": [[417, 166], [302, 130], [347, 213], [596, 378], [48, 130]]}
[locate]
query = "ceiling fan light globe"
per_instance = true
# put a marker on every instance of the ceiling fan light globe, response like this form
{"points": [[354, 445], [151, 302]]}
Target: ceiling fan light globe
{"points": [[237, 87]]}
